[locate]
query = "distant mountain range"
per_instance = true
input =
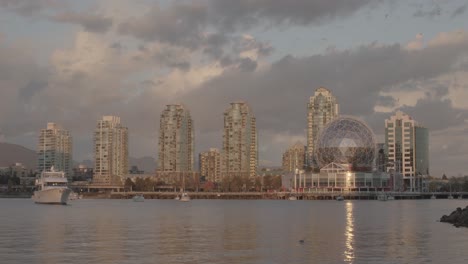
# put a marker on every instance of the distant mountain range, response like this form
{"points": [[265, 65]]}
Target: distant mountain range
{"points": [[147, 164], [12, 153]]}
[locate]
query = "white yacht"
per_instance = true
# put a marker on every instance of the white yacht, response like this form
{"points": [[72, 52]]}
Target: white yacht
{"points": [[138, 198], [51, 188], [184, 197]]}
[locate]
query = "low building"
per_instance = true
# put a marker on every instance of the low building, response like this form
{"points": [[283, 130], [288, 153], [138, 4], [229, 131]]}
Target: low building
{"points": [[82, 173]]}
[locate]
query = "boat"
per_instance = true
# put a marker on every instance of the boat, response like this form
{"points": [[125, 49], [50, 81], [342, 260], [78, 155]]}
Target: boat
{"points": [[184, 197], [339, 198], [51, 188], [74, 196], [460, 197], [433, 197], [177, 198], [292, 198], [382, 197], [450, 197], [390, 198], [138, 198]]}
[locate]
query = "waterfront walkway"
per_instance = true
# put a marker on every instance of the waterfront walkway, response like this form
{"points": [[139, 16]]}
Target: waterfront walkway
{"points": [[286, 195]]}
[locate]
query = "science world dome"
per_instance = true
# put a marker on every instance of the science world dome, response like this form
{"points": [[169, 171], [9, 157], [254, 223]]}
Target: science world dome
{"points": [[346, 140]]}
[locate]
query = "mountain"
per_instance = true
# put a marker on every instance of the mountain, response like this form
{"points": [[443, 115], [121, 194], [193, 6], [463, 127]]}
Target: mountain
{"points": [[12, 153], [147, 164]]}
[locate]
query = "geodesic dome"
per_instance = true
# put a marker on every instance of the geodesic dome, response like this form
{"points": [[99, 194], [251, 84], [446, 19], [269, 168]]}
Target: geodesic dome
{"points": [[346, 140]]}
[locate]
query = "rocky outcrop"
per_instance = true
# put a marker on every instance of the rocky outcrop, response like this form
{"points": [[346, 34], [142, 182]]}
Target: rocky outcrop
{"points": [[458, 217]]}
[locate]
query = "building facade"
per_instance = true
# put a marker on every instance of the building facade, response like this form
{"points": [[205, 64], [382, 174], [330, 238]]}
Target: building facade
{"points": [[240, 150], [210, 165], [110, 151], [294, 157], [321, 109], [176, 140], [407, 149], [55, 150]]}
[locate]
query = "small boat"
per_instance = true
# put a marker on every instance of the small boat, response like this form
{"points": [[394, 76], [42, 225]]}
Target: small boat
{"points": [[433, 197], [460, 197], [138, 198], [177, 198], [339, 198], [450, 197], [184, 197], [292, 198], [75, 196], [390, 198], [51, 188], [382, 197]]}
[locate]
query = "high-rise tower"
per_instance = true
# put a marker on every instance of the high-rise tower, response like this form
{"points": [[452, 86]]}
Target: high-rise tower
{"points": [[210, 165], [110, 151], [55, 150], [407, 148], [321, 109], [240, 153], [294, 157], [176, 140]]}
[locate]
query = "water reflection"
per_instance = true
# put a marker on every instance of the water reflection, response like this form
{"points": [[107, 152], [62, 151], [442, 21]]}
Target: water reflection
{"points": [[349, 233]]}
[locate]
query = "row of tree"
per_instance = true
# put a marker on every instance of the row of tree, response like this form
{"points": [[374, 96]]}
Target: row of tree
{"points": [[228, 184], [452, 184]]}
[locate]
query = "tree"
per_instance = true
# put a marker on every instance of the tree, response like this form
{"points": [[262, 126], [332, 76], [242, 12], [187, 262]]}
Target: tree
{"points": [[139, 184], [129, 184]]}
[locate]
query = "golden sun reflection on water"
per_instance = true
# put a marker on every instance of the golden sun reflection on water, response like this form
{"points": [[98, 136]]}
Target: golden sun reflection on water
{"points": [[349, 233]]}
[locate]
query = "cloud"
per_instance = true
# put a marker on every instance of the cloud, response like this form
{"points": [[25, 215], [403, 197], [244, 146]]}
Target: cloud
{"points": [[417, 43], [179, 24], [214, 26], [232, 15], [459, 11], [29, 8], [90, 22], [434, 11]]}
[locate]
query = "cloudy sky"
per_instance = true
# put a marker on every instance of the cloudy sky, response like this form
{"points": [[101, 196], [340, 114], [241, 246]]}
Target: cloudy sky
{"points": [[71, 62]]}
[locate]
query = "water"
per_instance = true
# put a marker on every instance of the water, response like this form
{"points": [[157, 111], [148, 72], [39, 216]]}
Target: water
{"points": [[216, 231]]}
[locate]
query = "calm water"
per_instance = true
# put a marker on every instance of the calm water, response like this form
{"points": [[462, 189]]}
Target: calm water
{"points": [[214, 231]]}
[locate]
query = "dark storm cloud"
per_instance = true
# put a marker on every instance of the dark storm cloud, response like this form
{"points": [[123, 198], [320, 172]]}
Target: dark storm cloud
{"points": [[33, 87], [30, 7], [279, 94], [436, 113], [386, 101], [433, 11], [245, 13], [247, 65], [179, 24], [90, 22], [207, 24], [459, 11]]}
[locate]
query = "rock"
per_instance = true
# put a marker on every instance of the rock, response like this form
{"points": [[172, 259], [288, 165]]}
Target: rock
{"points": [[459, 217]]}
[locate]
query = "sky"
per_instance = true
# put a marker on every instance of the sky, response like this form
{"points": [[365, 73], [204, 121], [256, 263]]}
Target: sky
{"points": [[71, 62]]}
